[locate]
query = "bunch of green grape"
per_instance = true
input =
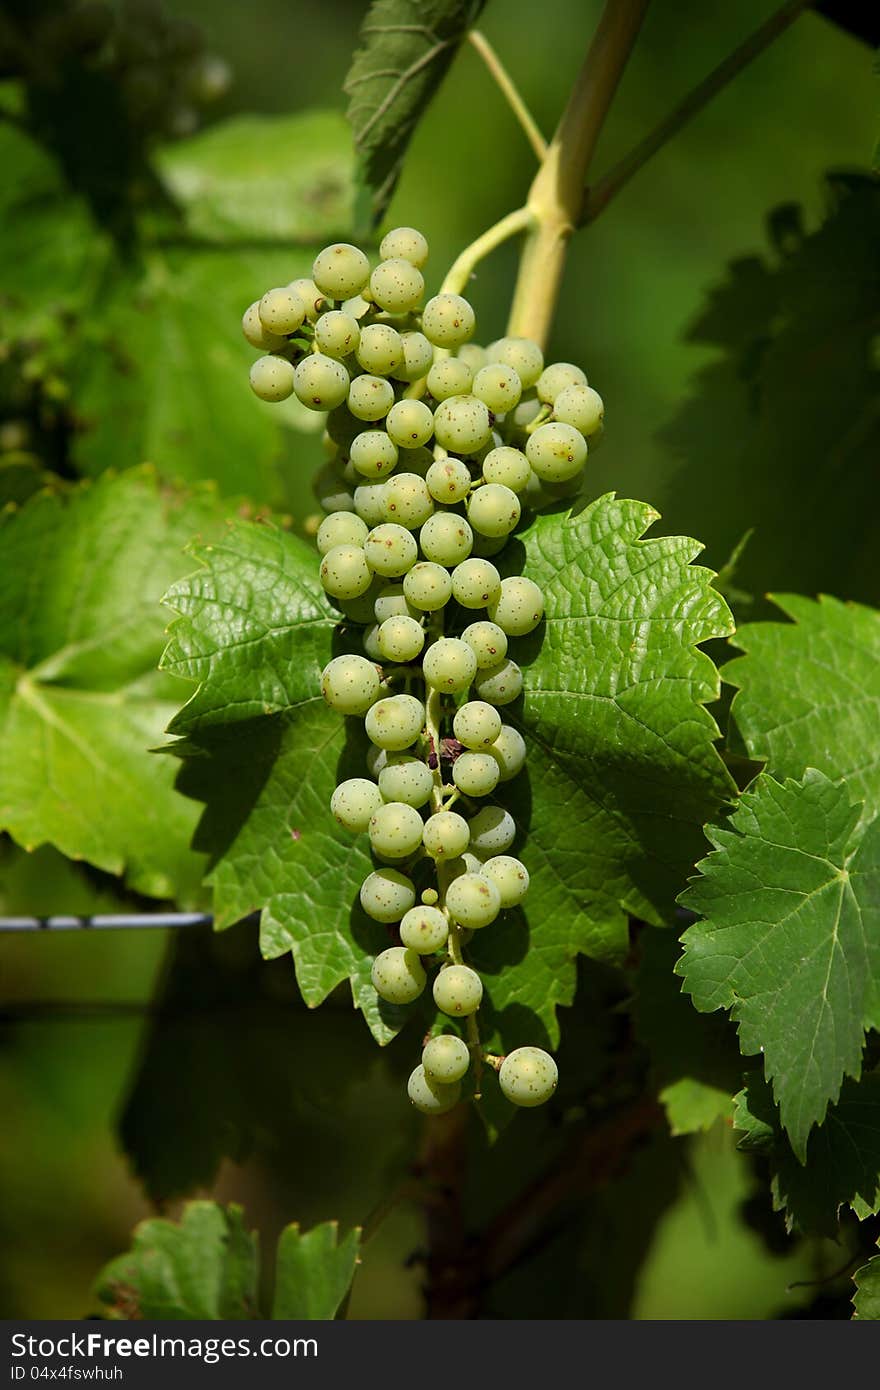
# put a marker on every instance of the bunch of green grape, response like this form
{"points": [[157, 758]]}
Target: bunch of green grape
{"points": [[436, 450]]}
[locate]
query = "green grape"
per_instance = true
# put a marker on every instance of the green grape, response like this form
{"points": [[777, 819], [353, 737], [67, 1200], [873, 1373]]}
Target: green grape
{"points": [[476, 724], [377, 759], [485, 547], [519, 607], [341, 528], [353, 803], [525, 414], [369, 503], [507, 466], [387, 895], [360, 610], [341, 270], [449, 665], [446, 836], [473, 356], [416, 461], [350, 684], [473, 900], [401, 639], [391, 550], [345, 572], [492, 831], [449, 376], [475, 774], [380, 349], [556, 378], [556, 452], [428, 587], [458, 991], [332, 492], [446, 1058], [395, 830], [446, 538], [462, 424], [430, 897], [407, 499], [370, 643], [337, 334], [315, 302], [272, 378], [404, 242], [498, 387], [528, 1076], [397, 285], [373, 454], [357, 307], [429, 1096], [448, 320], [370, 397], [509, 749], [398, 975], [410, 423], [391, 602], [418, 355], [424, 929], [583, 408], [253, 329], [475, 583], [500, 684], [487, 642], [342, 427], [524, 356], [321, 382], [449, 480], [493, 510], [510, 876], [395, 722], [406, 779], [281, 311]]}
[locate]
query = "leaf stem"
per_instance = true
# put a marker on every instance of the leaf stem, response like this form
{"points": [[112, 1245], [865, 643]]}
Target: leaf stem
{"points": [[601, 194], [463, 266], [509, 90]]}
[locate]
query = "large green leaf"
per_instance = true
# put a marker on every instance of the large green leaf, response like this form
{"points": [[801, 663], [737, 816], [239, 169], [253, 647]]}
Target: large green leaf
{"points": [[406, 48], [790, 943], [81, 701], [314, 1271]]}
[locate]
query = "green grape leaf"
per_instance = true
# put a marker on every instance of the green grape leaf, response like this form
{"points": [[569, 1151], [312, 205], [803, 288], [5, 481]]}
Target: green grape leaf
{"points": [[314, 1271], [866, 1299], [842, 1156], [809, 693], [790, 941], [203, 1267], [81, 701], [285, 178], [406, 47]]}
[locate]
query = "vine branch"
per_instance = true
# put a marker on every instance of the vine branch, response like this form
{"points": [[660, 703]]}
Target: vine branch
{"points": [[509, 90], [463, 266]]}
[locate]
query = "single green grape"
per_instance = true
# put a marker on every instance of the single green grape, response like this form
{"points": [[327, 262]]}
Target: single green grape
{"points": [[353, 803], [380, 349], [448, 320], [340, 528], [320, 382], [427, 586], [416, 461], [581, 407], [556, 378], [430, 897], [449, 376], [429, 1096], [446, 835], [487, 642], [498, 387], [370, 397], [370, 643], [257, 335], [272, 378], [556, 452], [401, 639], [395, 722], [337, 334], [458, 991], [526, 413], [407, 499], [373, 453], [473, 356], [449, 480], [395, 830], [341, 270], [493, 510], [391, 602], [418, 354], [446, 538], [519, 606], [405, 242], [332, 491], [345, 572], [477, 725], [357, 307], [475, 583], [473, 900], [360, 610], [281, 311], [462, 424], [475, 774], [404, 778], [510, 876], [398, 975], [507, 466], [410, 423], [509, 749], [524, 356], [397, 285], [446, 1058], [387, 895], [315, 302], [492, 831], [424, 929], [500, 684], [391, 550], [342, 427], [350, 684], [528, 1076], [369, 502], [449, 665]]}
